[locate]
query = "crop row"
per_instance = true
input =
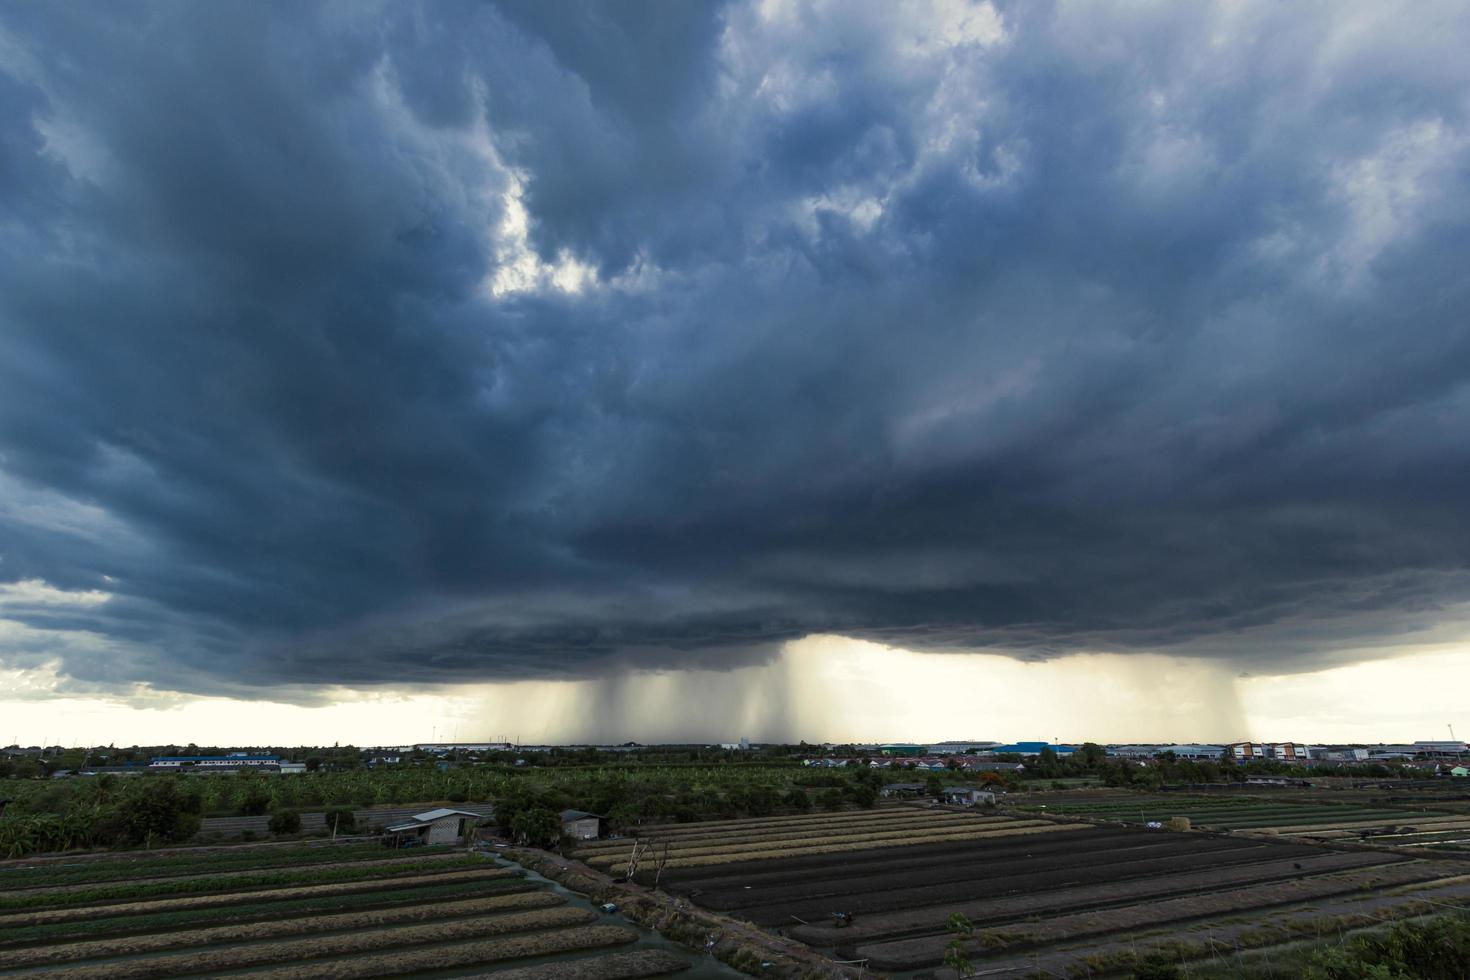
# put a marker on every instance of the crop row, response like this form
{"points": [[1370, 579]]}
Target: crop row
{"points": [[80, 913], [933, 919], [884, 881], [1233, 814], [1201, 803], [104, 923], [126, 867], [1018, 882], [234, 957], [630, 965], [156, 942], [714, 844], [918, 822], [231, 882], [838, 845], [929, 857], [450, 957], [1152, 812], [912, 954], [386, 861], [1427, 825], [879, 812]]}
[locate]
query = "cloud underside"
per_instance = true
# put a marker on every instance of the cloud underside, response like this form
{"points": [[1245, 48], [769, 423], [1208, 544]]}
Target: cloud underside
{"points": [[384, 345]]}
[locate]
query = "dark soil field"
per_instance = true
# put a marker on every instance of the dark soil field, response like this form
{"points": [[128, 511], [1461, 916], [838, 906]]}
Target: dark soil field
{"points": [[1030, 893]]}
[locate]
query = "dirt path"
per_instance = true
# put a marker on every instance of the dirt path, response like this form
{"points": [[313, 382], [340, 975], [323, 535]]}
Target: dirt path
{"points": [[679, 919]]}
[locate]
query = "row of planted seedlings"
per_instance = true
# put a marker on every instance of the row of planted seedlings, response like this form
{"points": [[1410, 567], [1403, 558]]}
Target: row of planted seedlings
{"points": [[401, 917], [721, 853]]}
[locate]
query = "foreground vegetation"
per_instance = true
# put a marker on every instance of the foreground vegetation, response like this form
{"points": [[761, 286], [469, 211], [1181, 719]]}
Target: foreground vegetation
{"points": [[357, 919]]}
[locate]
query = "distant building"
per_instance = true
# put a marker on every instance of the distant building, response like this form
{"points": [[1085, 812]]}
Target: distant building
{"points": [[908, 790], [235, 760], [954, 748], [1190, 751], [1289, 751], [293, 767], [443, 748], [435, 827], [903, 749], [967, 796], [1029, 748], [1460, 772], [741, 746], [581, 825]]}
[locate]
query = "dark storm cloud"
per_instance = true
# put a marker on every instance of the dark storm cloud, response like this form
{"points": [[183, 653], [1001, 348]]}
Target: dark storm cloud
{"points": [[358, 345]]}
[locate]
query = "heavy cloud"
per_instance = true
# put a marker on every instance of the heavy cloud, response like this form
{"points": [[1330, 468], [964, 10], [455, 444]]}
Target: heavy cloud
{"points": [[359, 345]]}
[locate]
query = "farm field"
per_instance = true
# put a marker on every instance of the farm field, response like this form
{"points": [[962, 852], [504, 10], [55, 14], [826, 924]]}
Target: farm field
{"points": [[1393, 826], [1075, 896], [706, 845], [345, 911]]}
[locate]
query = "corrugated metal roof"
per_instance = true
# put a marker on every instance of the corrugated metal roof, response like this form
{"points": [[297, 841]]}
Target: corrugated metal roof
{"points": [[441, 813]]}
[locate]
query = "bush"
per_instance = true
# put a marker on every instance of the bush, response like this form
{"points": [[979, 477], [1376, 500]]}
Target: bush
{"points": [[1435, 950], [343, 820], [285, 822], [1156, 967]]}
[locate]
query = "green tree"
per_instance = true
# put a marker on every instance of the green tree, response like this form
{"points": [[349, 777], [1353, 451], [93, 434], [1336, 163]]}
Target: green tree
{"points": [[538, 827], [830, 799], [154, 811], [341, 820], [955, 956], [933, 786]]}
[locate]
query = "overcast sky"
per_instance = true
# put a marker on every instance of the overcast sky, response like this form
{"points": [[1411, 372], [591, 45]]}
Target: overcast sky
{"points": [[353, 351]]}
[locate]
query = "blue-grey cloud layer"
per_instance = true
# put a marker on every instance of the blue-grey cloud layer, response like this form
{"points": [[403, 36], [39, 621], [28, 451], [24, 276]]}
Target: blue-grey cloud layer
{"points": [[1043, 328]]}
